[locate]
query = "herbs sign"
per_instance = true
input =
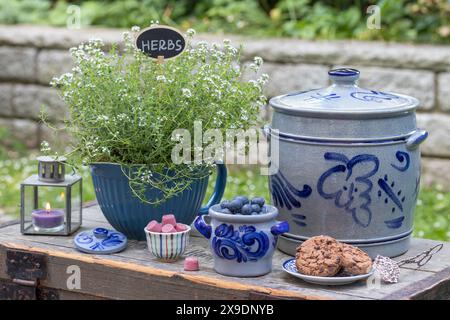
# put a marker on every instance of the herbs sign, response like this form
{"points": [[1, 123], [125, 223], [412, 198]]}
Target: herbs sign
{"points": [[161, 42]]}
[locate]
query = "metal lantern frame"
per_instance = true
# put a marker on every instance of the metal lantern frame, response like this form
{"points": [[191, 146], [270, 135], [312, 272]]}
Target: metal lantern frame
{"points": [[51, 175]]}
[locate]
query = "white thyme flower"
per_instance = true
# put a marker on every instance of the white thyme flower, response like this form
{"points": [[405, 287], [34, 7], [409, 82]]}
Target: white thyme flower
{"points": [[257, 63], [135, 28], [190, 32], [202, 44], [45, 146], [94, 43], [254, 83]]}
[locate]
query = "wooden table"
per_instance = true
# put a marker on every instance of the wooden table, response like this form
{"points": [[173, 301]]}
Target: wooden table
{"points": [[41, 267]]}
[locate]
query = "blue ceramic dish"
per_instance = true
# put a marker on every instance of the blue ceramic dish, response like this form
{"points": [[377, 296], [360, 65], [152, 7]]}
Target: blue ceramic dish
{"points": [[129, 215], [289, 267]]}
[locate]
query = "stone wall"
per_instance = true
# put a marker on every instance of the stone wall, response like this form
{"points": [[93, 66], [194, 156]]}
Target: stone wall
{"points": [[31, 56]]}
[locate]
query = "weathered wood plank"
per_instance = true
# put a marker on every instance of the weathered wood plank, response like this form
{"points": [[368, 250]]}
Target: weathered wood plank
{"points": [[122, 279], [137, 254], [434, 287]]}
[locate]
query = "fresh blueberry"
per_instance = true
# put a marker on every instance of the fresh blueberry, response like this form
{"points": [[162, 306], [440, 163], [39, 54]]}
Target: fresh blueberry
{"points": [[243, 199], [259, 201], [225, 204], [264, 209], [246, 209], [235, 206], [255, 213], [256, 208], [226, 211]]}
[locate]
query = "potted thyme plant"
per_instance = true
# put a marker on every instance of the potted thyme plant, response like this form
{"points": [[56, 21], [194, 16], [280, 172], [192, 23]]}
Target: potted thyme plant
{"points": [[123, 109]]}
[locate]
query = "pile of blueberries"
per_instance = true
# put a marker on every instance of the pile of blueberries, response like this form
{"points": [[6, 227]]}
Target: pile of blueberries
{"points": [[242, 205]]}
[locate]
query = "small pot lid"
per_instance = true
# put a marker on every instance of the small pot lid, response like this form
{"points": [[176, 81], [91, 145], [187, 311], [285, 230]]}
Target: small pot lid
{"points": [[344, 98], [100, 241]]}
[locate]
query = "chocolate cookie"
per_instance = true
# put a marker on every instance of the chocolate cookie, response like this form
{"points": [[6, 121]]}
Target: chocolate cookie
{"points": [[319, 256], [354, 260]]}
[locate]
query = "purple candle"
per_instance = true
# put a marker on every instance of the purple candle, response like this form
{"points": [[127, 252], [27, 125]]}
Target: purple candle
{"points": [[48, 219]]}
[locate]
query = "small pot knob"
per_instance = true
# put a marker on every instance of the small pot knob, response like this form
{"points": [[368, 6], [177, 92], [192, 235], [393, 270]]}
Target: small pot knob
{"points": [[344, 76], [100, 233]]}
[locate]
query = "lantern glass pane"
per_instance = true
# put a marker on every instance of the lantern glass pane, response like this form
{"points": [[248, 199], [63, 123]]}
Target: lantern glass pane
{"points": [[44, 209], [76, 203], [28, 204]]}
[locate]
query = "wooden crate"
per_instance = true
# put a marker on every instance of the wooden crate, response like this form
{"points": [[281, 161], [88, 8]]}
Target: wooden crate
{"points": [[36, 267]]}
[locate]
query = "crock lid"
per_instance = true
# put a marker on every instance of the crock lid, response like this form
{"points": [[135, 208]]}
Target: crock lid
{"points": [[344, 99], [100, 241]]}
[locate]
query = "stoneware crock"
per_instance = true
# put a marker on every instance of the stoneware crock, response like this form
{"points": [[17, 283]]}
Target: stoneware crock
{"points": [[348, 165], [130, 215], [242, 245]]}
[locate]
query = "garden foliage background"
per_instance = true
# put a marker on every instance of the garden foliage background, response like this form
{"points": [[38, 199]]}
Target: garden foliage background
{"points": [[415, 21], [404, 20]]}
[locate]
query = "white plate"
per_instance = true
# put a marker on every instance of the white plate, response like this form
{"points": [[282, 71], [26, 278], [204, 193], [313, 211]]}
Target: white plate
{"points": [[289, 267]]}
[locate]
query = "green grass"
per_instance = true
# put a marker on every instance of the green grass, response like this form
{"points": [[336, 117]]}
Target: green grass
{"points": [[12, 172], [432, 219]]}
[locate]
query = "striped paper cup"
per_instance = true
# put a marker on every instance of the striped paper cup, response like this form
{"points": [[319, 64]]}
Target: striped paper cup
{"points": [[167, 246]]}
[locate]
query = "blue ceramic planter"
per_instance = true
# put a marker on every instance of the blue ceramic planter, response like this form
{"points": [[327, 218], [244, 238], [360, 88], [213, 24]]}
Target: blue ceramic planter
{"points": [[129, 215]]}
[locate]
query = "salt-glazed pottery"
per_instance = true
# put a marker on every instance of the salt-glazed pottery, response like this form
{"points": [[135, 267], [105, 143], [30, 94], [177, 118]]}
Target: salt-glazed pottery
{"points": [[100, 241], [348, 164], [290, 267], [242, 245], [129, 215], [168, 247]]}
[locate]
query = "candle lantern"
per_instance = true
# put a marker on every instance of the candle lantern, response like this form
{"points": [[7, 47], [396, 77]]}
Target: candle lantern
{"points": [[51, 201]]}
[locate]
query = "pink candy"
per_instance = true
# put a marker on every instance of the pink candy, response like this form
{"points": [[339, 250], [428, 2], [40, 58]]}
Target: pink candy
{"points": [[169, 219], [154, 226], [168, 225], [168, 228], [191, 264], [181, 227]]}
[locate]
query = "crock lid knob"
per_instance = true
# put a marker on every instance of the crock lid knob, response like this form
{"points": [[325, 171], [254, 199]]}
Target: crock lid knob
{"points": [[343, 76]]}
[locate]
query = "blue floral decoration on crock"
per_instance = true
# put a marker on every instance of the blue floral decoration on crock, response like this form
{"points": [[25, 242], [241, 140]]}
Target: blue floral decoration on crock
{"points": [[375, 96], [349, 185], [244, 244], [286, 194]]}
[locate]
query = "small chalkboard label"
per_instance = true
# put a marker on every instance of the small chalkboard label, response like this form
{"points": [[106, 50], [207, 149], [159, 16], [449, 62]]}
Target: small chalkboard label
{"points": [[161, 42]]}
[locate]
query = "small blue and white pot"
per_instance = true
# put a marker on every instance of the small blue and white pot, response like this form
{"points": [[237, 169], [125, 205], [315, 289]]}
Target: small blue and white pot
{"points": [[242, 245]]}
